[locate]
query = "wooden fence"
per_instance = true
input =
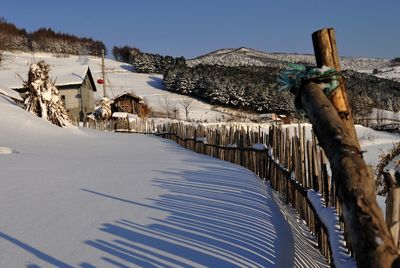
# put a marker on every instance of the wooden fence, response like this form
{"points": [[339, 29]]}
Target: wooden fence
{"points": [[292, 163]]}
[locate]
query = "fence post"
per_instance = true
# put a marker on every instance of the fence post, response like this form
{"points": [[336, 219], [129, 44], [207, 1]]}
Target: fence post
{"points": [[371, 240], [393, 205], [393, 213], [369, 235], [324, 42]]}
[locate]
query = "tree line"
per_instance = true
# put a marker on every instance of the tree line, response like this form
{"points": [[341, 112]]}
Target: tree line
{"points": [[146, 62], [246, 87], [255, 88], [46, 40]]}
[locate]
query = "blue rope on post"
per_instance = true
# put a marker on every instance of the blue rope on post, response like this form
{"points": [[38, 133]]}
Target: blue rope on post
{"points": [[297, 75]]}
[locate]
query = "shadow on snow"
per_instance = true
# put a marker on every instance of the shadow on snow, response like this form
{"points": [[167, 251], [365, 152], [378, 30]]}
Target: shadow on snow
{"points": [[218, 217]]}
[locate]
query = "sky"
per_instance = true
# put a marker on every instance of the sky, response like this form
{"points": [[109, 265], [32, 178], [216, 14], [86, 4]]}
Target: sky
{"points": [[191, 28]]}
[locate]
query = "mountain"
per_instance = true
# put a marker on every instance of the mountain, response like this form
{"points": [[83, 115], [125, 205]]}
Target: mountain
{"points": [[247, 56], [366, 91]]}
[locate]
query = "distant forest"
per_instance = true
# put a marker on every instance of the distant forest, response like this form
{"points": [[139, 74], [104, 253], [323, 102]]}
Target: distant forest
{"points": [[46, 40], [247, 87], [255, 88], [146, 62]]}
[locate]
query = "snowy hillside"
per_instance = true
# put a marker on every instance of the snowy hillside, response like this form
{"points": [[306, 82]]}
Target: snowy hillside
{"points": [[120, 77], [392, 73], [247, 56]]}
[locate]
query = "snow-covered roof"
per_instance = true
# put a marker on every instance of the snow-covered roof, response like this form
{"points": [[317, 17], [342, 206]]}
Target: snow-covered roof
{"points": [[64, 75], [69, 75], [124, 115], [10, 92], [267, 115]]}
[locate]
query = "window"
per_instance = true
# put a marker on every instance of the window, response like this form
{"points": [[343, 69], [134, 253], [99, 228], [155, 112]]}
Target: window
{"points": [[63, 99]]}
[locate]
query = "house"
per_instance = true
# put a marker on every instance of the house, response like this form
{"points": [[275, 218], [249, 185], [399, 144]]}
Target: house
{"points": [[285, 119], [268, 117], [76, 86], [127, 103], [276, 118]]}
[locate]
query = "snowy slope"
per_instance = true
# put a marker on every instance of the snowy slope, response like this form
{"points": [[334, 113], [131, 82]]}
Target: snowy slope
{"points": [[248, 56], [82, 198], [120, 77], [389, 73]]}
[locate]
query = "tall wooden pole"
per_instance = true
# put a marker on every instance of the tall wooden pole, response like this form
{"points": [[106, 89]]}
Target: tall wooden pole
{"points": [[326, 53], [333, 125], [369, 235], [103, 73]]}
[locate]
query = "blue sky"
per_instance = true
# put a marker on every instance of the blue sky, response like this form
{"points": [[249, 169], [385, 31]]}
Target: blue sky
{"points": [[194, 27]]}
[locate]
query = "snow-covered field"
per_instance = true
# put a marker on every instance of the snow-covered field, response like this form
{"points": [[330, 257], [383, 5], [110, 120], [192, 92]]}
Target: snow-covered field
{"points": [[388, 73], [373, 143], [74, 197]]}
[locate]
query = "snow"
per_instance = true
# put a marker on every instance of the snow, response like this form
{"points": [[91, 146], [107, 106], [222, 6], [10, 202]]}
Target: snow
{"points": [[330, 219], [7, 150], [124, 115], [392, 73], [77, 197], [375, 143], [259, 146], [9, 92], [62, 74]]}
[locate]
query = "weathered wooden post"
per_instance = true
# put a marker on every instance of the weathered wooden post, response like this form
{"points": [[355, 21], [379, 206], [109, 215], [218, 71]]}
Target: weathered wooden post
{"points": [[371, 240], [324, 42], [393, 205]]}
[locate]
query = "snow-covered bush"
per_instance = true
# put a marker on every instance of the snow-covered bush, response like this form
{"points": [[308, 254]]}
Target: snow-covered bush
{"points": [[389, 165], [43, 98], [103, 112]]}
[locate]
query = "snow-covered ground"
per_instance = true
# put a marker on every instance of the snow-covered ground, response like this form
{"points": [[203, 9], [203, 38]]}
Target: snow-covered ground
{"points": [[73, 197], [387, 72], [373, 143]]}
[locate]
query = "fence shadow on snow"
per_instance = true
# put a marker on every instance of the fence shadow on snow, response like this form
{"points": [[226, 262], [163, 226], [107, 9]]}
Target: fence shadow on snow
{"points": [[292, 164]]}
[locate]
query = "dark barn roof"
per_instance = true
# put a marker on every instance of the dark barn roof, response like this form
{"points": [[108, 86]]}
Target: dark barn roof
{"points": [[128, 95]]}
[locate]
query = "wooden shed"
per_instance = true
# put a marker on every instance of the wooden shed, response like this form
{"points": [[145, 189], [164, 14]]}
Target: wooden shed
{"points": [[127, 103]]}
